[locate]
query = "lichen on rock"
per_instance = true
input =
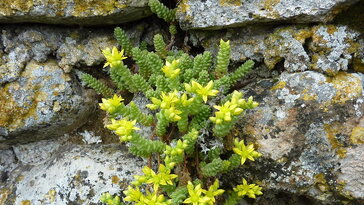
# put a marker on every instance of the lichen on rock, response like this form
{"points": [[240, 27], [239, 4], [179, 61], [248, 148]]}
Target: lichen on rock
{"points": [[80, 12], [213, 14]]}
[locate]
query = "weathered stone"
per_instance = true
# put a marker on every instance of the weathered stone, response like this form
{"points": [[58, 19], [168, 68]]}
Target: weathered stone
{"points": [[65, 173], [310, 130], [325, 48], [43, 102], [79, 12], [71, 47], [213, 14]]}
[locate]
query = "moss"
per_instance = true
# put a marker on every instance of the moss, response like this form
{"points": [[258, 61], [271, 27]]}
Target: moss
{"points": [[357, 135], [331, 132], [230, 2]]}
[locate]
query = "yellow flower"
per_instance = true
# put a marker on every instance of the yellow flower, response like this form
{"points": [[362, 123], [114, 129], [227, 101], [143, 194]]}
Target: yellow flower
{"points": [[246, 152], [132, 194], [204, 92], [114, 57], [111, 105], [123, 128], [213, 192], [171, 70], [163, 177], [195, 195], [168, 100], [184, 100], [153, 199], [250, 190], [172, 114]]}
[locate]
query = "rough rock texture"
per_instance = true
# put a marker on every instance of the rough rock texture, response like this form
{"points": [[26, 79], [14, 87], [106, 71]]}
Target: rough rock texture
{"points": [[39, 94], [71, 47], [310, 129], [43, 102], [58, 172], [80, 12], [325, 48], [217, 14]]}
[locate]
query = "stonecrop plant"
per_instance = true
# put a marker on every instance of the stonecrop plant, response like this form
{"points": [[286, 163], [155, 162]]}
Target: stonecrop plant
{"points": [[191, 113]]}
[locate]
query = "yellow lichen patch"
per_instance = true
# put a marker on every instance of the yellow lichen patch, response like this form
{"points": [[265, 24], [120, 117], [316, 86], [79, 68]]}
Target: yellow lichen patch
{"points": [[269, 4], [51, 195], [340, 188], [4, 193], [183, 6], [19, 178], [279, 85], [331, 132], [321, 182], [308, 96], [302, 35], [115, 179], [9, 7], [25, 202], [348, 87], [357, 135], [230, 2], [96, 7], [331, 29]]}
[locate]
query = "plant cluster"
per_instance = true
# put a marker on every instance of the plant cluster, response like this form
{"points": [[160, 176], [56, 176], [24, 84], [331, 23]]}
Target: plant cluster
{"points": [[192, 112]]}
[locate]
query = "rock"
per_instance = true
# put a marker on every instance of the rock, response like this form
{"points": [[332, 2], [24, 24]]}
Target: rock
{"points": [[43, 102], [65, 173], [324, 48], [212, 14], [310, 129], [90, 12]]}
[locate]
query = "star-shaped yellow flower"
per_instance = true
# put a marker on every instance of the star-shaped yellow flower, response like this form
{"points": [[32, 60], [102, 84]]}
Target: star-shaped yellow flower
{"points": [[195, 195], [171, 70], [250, 190], [111, 105], [213, 192], [123, 128], [204, 92], [114, 57], [246, 152]]}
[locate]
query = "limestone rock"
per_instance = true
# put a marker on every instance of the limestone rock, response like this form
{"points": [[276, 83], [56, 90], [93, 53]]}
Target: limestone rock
{"points": [[43, 102], [79, 12], [213, 14], [324, 48], [65, 173], [310, 129]]}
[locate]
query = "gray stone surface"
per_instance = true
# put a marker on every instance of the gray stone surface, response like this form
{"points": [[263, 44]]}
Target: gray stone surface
{"points": [[39, 94], [324, 48], [64, 173], [79, 12], [309, 128], [214, 14], [43, 102]]}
